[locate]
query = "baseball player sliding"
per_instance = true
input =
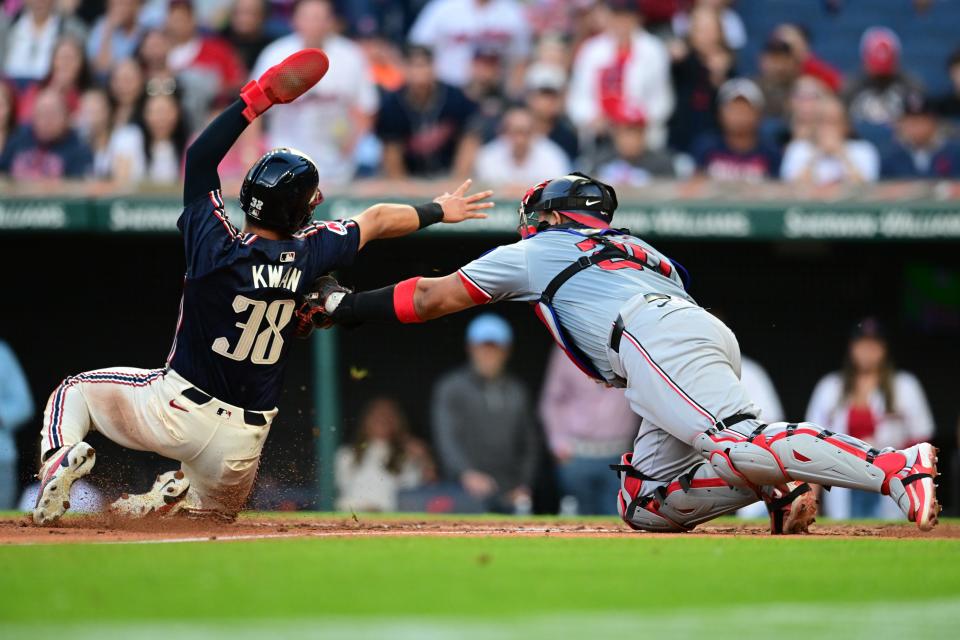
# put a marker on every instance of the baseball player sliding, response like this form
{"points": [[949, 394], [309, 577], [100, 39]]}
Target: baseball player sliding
{"points": [[212, 405], [620, 310]]}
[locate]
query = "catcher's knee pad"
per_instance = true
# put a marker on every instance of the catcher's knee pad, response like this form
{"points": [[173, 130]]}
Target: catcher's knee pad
{"points": [[738, 461]]}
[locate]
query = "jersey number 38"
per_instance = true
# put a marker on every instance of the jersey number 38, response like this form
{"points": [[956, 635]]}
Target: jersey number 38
{"points": [[262, 344]]}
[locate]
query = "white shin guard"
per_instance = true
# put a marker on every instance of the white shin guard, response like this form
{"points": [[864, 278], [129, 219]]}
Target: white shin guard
{"points": [[696, 496], [776, 453]]}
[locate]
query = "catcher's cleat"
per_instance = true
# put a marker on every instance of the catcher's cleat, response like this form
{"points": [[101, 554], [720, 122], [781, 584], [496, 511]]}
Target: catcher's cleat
{"points": [[166, 497], [792, 507], [57, 475], [913, 487]]}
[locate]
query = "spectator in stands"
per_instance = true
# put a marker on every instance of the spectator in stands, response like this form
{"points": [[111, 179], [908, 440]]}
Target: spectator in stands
{"points": [[553, 51], [806, 102], [385, 61], [115, 36], [921, 149], [876, 97], [486, 88], [700, 65], [623, 67], [949, 105], [830, 156], [94, 123], [152, 54], [382, 460], [196, 54], [483, 427], [421, 124], [247, 30], [545, 85], [455, 29], [734, 31], [589, 20], [737, 153], [588, 426], [68, 75], [779, 71], [126, 89], [870, 399], [27, 50], [798, 39], [151, 148], [47, 148], [16, 409], [634, 164], [329, 120], [8, 113], [520, 156]]}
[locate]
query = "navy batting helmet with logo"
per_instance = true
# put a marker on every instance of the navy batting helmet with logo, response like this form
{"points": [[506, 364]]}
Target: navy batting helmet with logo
{"points": [[281, 190], [577, 196]]}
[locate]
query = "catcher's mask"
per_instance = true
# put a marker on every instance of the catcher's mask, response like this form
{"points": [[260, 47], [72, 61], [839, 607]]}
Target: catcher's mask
{"points": [[576, 196], [281, 190]]}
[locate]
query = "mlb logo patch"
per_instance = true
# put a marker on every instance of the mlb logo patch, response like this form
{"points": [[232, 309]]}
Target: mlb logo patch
{"points": [[288, 256], [224, 412]]}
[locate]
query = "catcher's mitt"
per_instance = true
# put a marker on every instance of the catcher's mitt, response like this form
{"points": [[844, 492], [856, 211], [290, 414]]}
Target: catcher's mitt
{"points": [[312, 312]]}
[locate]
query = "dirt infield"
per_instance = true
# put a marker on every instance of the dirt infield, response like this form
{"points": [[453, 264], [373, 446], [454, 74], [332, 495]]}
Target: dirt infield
{"points": [[19, 531]]}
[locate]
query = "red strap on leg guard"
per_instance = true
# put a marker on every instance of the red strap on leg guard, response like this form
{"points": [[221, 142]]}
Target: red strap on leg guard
{"points": [[403, 304]]}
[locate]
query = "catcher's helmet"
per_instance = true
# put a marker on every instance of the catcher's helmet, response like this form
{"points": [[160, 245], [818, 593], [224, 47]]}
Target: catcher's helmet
{"points": [[281, 190], [577, 196]]}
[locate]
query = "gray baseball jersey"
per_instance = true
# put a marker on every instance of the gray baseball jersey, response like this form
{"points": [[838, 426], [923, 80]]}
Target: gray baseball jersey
{"points": [[588, 303]]}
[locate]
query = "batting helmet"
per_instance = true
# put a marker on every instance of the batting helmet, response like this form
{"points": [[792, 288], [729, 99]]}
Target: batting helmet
{"points": [[576, 196], [281, 190]]}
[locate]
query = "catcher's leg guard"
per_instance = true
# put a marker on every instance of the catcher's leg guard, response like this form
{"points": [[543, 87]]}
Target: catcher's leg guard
{"points": [[776, 453], [696, 496]]}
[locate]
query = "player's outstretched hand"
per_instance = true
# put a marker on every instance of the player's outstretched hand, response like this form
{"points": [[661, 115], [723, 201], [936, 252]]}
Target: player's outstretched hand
{"points": [[458, 206], [284, 82]]}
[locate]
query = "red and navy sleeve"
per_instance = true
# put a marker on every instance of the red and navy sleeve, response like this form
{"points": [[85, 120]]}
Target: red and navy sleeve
{"points": [[333, 244]]}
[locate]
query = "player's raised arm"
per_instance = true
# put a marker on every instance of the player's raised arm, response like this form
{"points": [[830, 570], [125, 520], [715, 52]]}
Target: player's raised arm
{"points": [[280, 84], [395, 220]]}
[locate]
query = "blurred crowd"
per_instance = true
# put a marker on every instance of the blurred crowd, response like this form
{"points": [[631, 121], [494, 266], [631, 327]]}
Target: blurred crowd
{"points": [[507, 91]]}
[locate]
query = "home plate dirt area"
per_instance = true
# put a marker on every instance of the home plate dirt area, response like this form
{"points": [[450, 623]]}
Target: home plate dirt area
{"points": [[86, 529]]}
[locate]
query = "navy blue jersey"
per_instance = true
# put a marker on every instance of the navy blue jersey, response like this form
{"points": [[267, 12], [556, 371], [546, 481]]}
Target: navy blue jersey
{"points": [[239, 298]]}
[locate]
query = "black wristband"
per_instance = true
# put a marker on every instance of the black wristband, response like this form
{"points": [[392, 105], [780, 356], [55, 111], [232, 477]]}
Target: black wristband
{"points": [[366, 306], [429, 213]]}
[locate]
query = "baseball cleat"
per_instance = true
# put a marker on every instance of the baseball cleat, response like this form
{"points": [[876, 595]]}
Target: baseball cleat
{"points": [[165, 497], [793, 508], [913, 488], [57, 476]]}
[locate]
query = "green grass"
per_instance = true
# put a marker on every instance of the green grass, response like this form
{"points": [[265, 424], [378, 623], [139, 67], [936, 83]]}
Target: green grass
{"points": [[415, 587]]}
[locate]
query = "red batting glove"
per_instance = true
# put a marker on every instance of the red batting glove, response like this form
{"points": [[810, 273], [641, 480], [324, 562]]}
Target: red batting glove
{"points": [[284, 82]]}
